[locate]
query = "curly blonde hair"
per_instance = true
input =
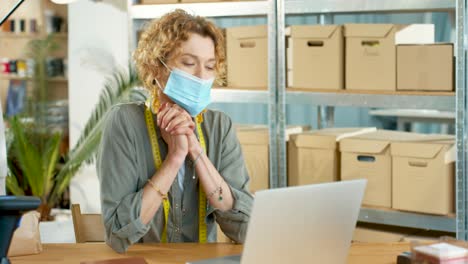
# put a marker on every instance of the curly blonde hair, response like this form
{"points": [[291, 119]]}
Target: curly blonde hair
{"points": [[162, 39]]}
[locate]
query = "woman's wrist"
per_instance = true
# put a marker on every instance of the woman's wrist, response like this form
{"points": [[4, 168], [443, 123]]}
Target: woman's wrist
{"points": [[195, 148], [175, 160], [195, 153]]}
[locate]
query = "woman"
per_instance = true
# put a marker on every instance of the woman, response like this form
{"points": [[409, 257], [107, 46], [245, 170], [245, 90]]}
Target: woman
{"points": [[170, 169]]}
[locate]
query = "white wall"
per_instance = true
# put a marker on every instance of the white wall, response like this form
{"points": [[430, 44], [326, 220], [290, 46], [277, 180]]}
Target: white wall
{"points": [[98, 41]]}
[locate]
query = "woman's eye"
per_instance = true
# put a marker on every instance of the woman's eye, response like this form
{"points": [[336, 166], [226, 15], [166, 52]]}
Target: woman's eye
{"points": [[188, 64], [210, 68]]}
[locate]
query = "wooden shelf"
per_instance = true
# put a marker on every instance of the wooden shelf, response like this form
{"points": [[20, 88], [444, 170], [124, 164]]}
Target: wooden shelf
{"points": [[30, 35], [13, 77], [20, 35]]}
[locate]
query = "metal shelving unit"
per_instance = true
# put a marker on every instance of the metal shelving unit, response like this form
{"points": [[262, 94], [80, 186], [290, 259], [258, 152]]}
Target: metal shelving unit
{"points": [[277, 96], [366, 6], [280, 97], [414, 220], [404, 100]]}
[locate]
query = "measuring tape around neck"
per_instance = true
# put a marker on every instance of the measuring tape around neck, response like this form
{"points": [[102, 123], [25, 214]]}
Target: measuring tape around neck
{"points": [[202, 229]]}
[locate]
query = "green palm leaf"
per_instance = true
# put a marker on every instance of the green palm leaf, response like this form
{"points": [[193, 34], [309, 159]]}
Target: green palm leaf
{"points": [[120, 87], [37, 166], [13, 185]]}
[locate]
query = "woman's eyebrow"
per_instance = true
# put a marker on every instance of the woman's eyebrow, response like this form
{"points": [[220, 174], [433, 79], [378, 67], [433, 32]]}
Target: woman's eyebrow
{"points": [[196, 57]]}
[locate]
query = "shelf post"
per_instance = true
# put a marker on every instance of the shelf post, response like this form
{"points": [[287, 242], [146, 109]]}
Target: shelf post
{"points": [[325, 114], [461, 122], [277, 93]]}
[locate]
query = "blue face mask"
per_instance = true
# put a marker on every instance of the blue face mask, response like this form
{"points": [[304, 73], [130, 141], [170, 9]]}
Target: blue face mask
{"points": [[188, 91]]}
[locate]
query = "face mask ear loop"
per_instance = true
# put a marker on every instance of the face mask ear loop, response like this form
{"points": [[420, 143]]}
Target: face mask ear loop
{"points": [[167, 67], [159, 85], [164, 64]]}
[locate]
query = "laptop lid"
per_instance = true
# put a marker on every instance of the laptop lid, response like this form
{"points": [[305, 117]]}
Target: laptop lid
{"points": [[304, 224]]}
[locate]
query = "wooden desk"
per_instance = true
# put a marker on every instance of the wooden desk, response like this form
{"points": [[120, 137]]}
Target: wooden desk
{"points": [[360, 253]]}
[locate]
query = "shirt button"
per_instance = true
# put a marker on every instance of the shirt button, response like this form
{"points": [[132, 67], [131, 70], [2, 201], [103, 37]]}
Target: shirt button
{"points": [[176, 206]]}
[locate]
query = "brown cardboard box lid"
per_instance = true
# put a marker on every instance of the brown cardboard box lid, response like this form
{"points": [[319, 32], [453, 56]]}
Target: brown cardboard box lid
{"points": [[312, 140], [376, 142], [441, 44], [425, 150], [253, 136], [247, 133], [326, 138], [246, 32], [368, 30], [363, 145], [428, 44], [312, 31]]}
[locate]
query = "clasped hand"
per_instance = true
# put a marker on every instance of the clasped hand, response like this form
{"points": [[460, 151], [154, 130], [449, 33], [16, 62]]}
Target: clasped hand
{"points": [[177, 130]]}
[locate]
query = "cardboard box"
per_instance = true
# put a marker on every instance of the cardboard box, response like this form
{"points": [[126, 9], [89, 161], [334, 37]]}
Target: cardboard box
{"points": [[254, 140], [425, 67], [315, 57], [247, 57], [313, 156], [423, 176], [254, 144], [368, 157], [371, 53]]}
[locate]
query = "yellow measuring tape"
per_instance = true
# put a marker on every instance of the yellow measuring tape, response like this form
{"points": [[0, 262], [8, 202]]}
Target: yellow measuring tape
{"points": [[202, 233]]}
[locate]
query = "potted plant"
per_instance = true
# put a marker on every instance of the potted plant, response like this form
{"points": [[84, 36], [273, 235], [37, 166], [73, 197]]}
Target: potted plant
{"points": [[34, 167]]}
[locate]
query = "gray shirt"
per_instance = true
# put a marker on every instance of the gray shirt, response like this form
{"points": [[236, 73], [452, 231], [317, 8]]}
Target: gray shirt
{"points": [[125, 163]]}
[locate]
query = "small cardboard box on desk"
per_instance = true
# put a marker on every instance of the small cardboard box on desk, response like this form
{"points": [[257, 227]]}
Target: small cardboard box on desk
{"points": [[315, 57], [368, 157], [423, 176], [443, 252], [371, 53], [26, 239], [313, 156]]}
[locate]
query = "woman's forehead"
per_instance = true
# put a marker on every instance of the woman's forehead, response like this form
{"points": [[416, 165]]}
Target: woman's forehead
{"points": [[199, 47]]}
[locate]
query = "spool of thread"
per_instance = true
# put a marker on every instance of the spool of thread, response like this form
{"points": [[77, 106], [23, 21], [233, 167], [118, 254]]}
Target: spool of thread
{"points": [[21, 68], [33, 26], [12, 25], [13, 68], [5, 65], [30, 63], [6, 26], [22, 25]]}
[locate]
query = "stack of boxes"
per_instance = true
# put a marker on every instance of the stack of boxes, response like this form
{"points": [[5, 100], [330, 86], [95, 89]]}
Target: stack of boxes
{"points": [[405, 171], [314, 157], [365, 57]]}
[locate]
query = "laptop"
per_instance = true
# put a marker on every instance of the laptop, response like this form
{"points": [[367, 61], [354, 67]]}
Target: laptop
{"points": [[304, 224]]}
